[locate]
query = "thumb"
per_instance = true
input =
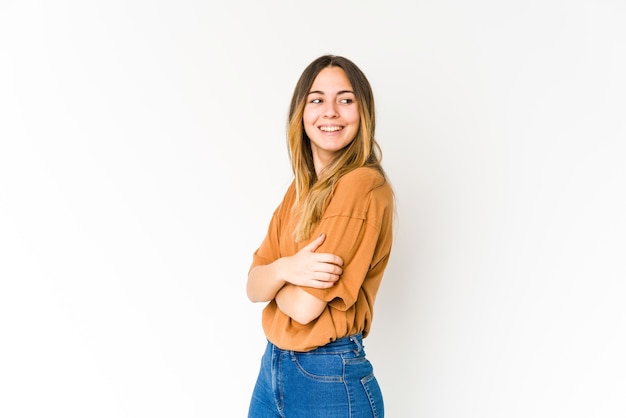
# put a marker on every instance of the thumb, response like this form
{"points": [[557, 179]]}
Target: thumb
{"points": [[315, 244]]}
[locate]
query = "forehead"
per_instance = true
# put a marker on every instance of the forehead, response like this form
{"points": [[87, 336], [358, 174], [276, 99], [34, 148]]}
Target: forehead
{"points": [[331, 79]]}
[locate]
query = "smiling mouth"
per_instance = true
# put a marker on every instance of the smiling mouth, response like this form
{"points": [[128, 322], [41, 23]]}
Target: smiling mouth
{"points": [[330, 128]]}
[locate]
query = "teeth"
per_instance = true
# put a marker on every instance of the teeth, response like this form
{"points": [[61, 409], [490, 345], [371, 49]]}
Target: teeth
{"points": [[330, 128]]}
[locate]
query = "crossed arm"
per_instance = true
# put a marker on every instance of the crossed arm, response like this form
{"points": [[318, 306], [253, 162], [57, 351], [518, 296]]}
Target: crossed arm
{"points": [[281, 280]]}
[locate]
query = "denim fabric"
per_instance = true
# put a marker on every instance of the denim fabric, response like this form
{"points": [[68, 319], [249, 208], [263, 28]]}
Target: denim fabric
{"points": [[332, 381]]}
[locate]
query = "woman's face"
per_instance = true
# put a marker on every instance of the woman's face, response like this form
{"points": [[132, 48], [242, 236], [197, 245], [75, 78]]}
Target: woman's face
{"points": [[331, 115]]}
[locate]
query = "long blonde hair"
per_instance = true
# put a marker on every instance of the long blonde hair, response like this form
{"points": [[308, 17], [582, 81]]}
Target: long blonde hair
{"points": [[313, 193]]}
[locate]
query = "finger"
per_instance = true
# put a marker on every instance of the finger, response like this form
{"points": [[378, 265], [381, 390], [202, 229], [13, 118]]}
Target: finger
{"points": [[314, 245], [321, 284], [326, 285], [329, 258], [330, 269], [327, 277]]}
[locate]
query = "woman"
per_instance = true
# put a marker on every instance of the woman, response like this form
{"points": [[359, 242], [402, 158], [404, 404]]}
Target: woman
{"points": [[322, 261]]}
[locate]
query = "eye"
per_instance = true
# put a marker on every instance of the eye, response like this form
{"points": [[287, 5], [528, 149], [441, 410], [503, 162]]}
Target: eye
{"points": [[316, 101], [346, 101]]}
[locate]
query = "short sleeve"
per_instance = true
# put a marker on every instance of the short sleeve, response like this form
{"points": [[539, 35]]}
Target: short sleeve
{"points": [[268, 251], [270, 248], [356, 227]]}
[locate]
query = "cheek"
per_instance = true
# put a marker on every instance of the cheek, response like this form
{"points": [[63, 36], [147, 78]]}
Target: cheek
{"points": [[309, 131], [356, 120], [356, 123], [309, 111], [354, 117], [309, 128], [306, 121]]}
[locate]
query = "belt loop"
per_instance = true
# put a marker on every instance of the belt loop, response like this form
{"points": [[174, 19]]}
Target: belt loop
{"points": [[355, 339]]}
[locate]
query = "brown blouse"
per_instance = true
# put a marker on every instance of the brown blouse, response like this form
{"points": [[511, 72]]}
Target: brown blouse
{"points": [[358, 224]]}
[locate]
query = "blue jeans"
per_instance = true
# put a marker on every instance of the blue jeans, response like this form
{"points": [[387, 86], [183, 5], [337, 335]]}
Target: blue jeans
{"points": [[332, 381]]}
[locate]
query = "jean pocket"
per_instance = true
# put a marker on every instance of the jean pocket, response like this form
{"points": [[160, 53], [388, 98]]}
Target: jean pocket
{"points": [[357, 368], [374, 395], [319, 367]]}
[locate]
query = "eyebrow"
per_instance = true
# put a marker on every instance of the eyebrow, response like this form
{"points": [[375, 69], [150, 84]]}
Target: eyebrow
{"points": [[338, 93]]}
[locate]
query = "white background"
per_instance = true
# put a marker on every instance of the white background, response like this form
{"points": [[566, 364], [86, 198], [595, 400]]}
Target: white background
{"points": [[142, 152]]}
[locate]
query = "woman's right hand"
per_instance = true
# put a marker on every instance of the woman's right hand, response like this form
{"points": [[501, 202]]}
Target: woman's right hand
{"points": [[305, 268], [308, 268]]}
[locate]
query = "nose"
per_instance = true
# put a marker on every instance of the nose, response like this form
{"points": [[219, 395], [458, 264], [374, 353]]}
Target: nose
{"points": [[330, 109]]}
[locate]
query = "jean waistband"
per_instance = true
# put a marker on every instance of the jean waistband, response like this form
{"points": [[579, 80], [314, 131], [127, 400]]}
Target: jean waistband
{"points": [[340, 345]]}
